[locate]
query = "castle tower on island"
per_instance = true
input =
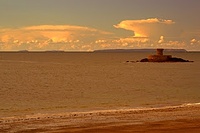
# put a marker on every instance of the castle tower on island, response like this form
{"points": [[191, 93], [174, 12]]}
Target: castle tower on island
{"points": [[159, 57]]}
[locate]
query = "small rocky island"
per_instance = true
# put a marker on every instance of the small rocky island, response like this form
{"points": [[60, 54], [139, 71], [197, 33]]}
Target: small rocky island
{"points": [[159, 57]]}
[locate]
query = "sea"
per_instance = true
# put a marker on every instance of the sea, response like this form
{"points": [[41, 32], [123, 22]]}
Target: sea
{"points": [[52, 83]]}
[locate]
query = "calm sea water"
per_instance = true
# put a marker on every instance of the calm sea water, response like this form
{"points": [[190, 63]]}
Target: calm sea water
{"points": [[33, 83]]}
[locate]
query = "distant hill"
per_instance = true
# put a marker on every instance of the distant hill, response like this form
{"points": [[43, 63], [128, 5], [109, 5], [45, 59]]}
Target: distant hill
{"points": [[138, 50]]}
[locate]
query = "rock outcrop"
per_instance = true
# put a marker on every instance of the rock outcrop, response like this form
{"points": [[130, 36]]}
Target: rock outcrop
{"points": [[159, 57], [173, 59]]}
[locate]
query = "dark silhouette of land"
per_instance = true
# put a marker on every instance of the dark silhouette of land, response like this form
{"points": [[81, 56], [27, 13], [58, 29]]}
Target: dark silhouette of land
{"points": [[137, 50]]}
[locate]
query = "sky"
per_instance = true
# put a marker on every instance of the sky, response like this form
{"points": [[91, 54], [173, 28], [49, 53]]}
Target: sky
{"points": [[87, 25]]}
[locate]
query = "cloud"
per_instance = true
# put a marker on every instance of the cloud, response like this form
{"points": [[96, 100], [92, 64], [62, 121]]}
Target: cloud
{"points": [[161, 39], [144, 27], [57, 28], [147, 33], [193, 41], [44, 37]]}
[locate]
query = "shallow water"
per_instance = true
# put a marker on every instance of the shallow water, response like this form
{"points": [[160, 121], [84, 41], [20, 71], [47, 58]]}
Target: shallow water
{"points": [[40, 83]]}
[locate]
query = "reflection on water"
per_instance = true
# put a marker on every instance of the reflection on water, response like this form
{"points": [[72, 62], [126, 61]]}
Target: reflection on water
{"points": [[34, 83]]}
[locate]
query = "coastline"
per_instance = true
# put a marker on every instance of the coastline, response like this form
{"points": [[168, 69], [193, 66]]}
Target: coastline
{"points": [[163, 119]]}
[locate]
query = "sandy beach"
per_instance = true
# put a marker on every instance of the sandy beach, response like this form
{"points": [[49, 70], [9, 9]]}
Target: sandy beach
{"points": [[173, 126], [181, 119]]}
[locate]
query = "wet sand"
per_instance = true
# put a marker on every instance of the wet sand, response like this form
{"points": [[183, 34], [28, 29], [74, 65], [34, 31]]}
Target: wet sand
{"points": [[173, 126], [174, 119]]}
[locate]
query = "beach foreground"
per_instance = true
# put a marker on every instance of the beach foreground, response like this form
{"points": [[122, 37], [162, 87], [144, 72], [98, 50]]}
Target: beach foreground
{"points": [[184, 118], [171, 126]]}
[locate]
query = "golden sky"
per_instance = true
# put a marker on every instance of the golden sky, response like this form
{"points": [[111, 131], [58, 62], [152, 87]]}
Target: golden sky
{"points": [[86, 25]]}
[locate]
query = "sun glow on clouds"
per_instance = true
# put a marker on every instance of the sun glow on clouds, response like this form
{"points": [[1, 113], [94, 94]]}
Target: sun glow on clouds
{"points": [[144, 27], [154, 32], [161, 39], [147, 33], [44, 37]]}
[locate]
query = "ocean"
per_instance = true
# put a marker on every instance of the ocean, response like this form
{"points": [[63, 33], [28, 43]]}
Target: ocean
{"points": [[54, 83]]}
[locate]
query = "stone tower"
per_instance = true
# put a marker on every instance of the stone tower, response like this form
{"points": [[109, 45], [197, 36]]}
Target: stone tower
{"points": [[159, 51], [159, 57]]}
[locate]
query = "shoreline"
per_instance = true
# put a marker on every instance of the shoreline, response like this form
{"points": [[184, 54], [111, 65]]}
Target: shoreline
{"points": [[174, 118]]}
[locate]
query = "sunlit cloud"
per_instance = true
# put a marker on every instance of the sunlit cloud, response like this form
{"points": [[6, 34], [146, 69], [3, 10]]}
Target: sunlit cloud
{"points": [[57, 28], [144, 27], [194, 44], [161, 39], [193, 41], [105, 45], [154, 33], [44, 37], [147, 33], [100, 41]]}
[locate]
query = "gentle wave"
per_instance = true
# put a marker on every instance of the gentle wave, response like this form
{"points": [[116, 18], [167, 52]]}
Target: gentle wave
{"points": [[96, 113]]}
